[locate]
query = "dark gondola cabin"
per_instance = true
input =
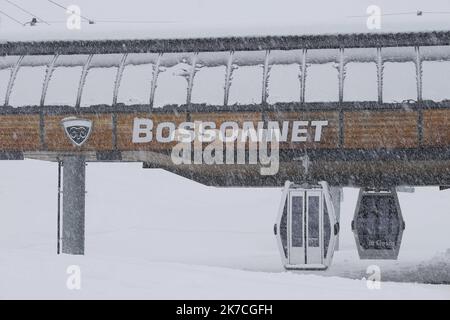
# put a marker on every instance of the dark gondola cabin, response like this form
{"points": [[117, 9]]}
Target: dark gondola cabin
{"points": [[378, 224]]}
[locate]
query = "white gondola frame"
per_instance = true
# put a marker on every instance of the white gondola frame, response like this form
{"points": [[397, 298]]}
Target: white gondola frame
{"points": [[334, 227]]}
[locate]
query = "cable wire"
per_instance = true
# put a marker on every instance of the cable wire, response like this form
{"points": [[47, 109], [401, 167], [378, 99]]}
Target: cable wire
{"points": [[13, 19], [26, 11], [65, 8], [416, 13]]}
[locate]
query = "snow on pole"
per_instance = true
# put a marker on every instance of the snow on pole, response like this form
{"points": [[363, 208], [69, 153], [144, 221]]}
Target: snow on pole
{"points": [[419, 73], [48, 76], [302, 76], [119, 78], [266, 74], [341, 74], [228, 77], [380, 69], [155, 79], [191, 78], [12, 79], [84, 74]]}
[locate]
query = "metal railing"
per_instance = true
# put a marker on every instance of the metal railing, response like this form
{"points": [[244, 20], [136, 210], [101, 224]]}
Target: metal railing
{"points": [[231, 53]]}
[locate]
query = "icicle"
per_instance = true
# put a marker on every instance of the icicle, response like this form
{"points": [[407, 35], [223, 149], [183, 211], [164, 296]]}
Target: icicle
{"points": [[302, 76], [12, 79], [266, 75], [380, 70], [156, 70], [191, 75], [419, 73], [342, 73], [48, 76], [84, 74], [228, 78], [119, 78]]}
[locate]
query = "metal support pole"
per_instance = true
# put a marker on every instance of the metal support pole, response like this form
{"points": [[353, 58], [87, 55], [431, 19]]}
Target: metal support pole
{"points": [[228, 78], [336, 198], [380, 69], [191, 79], [58, 227], [119, 75], [12, 79], [302, 76], [265, 82], [74, 173], [154, 83], [48, 76], [419, 73], [84, 74], [341, 70]]}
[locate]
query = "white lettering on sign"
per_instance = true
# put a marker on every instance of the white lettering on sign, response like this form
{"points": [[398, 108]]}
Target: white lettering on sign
{"points": [[142, 130], [165, 126], [319, 127], [229, 131], [299, 131]]}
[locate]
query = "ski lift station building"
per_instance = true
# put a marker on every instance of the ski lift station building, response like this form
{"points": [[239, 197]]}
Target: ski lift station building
{"points": [[367, 110]]}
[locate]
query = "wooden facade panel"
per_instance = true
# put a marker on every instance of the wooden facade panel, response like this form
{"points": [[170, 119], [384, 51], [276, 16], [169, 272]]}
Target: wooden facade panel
{"points": [[219, 118], [329, 133], [125, 123], [361, 129], [381, 129], [19, 133], [101, 138], [436, 127]]}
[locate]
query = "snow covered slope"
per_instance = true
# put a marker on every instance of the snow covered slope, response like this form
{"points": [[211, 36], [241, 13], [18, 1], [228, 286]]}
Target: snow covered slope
{"points": [[151, 234]]}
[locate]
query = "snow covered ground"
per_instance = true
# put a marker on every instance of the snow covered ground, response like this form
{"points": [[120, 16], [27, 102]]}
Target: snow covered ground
{"points": [[153, 235]]}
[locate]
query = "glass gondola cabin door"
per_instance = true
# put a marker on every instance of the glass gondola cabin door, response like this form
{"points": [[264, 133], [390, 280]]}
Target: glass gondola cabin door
{"points": [[306, 228], [305, 216]]}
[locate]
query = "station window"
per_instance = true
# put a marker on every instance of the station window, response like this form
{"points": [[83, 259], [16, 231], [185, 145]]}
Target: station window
{"points": [[284, 77], [247, 78], [172, 86], [435, 71], [435, 82], [4, 79], [322, 81], [99, 87], [137, 77], [173, 78], [136, 84], [399, 74], [399, 82], [360, 82], [63, 87], [246, 87], [27, 88], [209, 83], [284, 83]]}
